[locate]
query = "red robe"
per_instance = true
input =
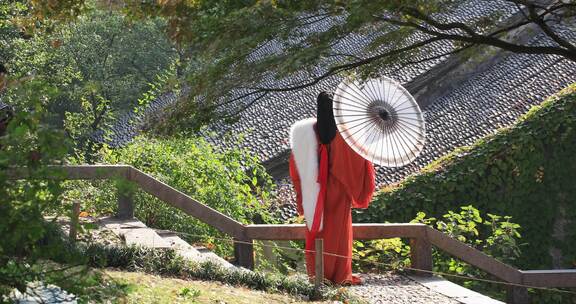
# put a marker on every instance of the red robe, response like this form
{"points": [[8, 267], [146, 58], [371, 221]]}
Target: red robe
{"points": [[350, 184]]}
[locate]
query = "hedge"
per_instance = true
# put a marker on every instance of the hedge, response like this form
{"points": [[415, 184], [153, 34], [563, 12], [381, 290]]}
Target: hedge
{"points": [[527, 171]]}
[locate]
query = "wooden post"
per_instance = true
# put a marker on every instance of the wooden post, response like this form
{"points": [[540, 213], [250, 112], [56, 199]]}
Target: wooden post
{"points": [[125, 203], [319, 263], [517, 295], [74, 221], [421, 256], [244, 252]]}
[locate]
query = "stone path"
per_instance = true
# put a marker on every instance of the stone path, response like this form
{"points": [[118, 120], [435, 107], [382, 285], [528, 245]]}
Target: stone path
{"points": [[399, 289], [392, 288]]}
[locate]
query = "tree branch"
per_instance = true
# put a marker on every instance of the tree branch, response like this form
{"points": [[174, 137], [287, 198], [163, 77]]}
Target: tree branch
{"points": [[95, 125], [432, 28], [509, 28], [413, 12], [473, 39], [409, 62], [515, 48], [488, 40], [334, 70], [336, 54], [533, 14], [246, 106]]}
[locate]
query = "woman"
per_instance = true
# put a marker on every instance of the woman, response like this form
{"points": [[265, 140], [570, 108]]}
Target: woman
{"points": [[329, 179]]}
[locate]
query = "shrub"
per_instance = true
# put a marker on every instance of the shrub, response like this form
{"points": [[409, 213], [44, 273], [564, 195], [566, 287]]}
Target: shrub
{"points": [[231, 182], [526, 171], [31, 144], [495, 235]]}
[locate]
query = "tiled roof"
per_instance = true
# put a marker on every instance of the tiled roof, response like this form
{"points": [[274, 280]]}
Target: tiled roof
{"points": [[485, 102], [481, 105]]}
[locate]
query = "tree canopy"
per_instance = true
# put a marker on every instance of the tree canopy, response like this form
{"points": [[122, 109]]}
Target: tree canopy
{"points": [[247, 49], [98, 66], [243, 50]]}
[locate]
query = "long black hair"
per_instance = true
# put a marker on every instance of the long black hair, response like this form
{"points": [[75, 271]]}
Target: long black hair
{"points": [[326, 125]]}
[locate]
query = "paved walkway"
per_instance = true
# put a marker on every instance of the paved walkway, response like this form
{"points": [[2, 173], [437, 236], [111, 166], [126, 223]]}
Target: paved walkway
{"points": [[399, 289]]}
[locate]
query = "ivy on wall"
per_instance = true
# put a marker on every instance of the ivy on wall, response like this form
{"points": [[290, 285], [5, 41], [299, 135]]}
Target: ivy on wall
{"points": [[527, 171]]}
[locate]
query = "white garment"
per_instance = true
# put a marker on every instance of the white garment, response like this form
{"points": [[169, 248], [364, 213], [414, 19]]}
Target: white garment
{"points": [[305, 152]]}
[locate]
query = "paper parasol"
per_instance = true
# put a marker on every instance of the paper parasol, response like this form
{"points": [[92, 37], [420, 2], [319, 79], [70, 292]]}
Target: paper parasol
{"points": [[380, 120]]}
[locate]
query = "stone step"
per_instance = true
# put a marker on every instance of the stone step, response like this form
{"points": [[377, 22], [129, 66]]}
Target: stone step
{"points": [[453, 290], [193, 253], [134, 232]]}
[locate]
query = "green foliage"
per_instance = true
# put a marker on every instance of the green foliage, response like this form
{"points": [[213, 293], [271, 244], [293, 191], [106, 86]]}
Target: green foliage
{"points": [[29, 144], [23, 18], [102, 64], [85, 73], [526, 171], [380, 255], [59, 262], [8, 31], [88, 286], [283, 257], [189, 293], [168, 263], [232, 182], [494, 235]]}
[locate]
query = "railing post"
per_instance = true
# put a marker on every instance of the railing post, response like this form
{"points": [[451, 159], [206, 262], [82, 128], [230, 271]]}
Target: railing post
{"points": [[74, 219], [421, 256], [125, 199], [244, 252], [319, 263], [517, 295]]}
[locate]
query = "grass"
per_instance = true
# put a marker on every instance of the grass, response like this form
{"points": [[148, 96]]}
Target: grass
{"points": [[147, 288], [168, 264], [80, 269], [113, 285]]}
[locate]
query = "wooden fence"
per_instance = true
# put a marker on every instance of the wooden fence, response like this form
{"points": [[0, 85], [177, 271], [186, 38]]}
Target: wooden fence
{"points": [[422, 237]]}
